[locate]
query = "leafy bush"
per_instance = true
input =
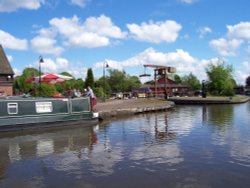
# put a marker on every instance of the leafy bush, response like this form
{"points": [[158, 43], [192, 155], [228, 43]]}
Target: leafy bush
{"points": [[47, 90]]}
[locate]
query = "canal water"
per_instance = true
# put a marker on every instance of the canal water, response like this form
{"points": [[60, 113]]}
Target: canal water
{"points": [[188, 146]]}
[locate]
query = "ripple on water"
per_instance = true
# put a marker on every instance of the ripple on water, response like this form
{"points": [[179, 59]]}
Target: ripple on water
{"points": [[189, 146]]}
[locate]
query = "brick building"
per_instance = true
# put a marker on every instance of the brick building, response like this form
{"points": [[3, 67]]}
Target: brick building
{"points": [[6, 75], [167, 85], [162, 87]]}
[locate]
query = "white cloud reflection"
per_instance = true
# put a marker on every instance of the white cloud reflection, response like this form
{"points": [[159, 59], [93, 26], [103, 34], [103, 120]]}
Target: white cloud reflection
{"points": [[168, 154]]}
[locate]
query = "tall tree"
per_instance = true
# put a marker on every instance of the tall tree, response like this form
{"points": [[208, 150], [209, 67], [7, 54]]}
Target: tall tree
{"points": [[221, 80], [248, 81], [131, 82], [89, 81], [20, 81], [100, 87], [117, 80], [177, 79], [192, 81]]}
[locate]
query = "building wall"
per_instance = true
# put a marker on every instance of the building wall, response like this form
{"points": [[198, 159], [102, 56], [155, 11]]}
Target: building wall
{"points": [[6, 85], [6, 90]]}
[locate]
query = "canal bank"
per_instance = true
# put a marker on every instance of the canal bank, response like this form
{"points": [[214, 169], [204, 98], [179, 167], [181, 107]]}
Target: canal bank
{"points": [[120, 108], [210, 100]]}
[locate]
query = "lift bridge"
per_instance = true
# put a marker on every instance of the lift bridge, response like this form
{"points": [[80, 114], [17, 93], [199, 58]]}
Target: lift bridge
{"points": [[159, 70]]}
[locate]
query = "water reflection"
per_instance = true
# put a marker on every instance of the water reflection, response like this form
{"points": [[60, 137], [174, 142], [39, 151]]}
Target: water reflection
{"points": [[218, 115], [230, 130], [161, 128], [219, 118], [43, 144], [69, 144], [193, 146], [160, 149]]}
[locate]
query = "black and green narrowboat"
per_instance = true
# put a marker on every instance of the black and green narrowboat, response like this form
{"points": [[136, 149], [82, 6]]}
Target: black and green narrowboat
{"points": [[20, 113]]}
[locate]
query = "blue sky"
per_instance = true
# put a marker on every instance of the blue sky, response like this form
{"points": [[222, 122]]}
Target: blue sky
{"points": [[74, 35]]}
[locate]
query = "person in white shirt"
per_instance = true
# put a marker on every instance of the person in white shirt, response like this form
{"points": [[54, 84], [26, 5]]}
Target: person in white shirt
{"points": [[90, 94]]}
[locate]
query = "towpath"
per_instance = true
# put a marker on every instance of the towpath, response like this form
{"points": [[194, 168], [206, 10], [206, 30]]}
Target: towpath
{"points": [[115, 108]]}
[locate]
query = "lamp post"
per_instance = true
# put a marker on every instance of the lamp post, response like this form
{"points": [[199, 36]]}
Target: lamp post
{"points": [[203, 90], [105, 65], [40, 61]]}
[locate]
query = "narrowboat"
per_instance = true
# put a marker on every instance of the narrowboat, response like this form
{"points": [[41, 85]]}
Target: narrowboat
{"points": [[33, 112]]}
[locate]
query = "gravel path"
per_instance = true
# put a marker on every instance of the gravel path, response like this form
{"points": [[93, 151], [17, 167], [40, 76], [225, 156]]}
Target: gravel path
{"points": [[130, 103]]}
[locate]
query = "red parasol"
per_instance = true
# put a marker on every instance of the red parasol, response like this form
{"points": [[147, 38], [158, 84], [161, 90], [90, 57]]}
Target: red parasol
{"points": [[49, 78]]}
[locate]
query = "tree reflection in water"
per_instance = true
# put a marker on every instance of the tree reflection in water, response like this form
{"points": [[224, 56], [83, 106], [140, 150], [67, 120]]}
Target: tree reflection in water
{"points": [[193, 146]]}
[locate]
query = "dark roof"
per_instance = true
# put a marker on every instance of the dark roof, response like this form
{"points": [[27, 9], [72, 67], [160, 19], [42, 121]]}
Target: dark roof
{"points": [[5, 67]]}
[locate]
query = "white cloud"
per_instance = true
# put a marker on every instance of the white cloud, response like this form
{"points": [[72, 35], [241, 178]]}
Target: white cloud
{"points": [[10, 58], [80, 3], [246, 66], [180, 59], [236, 36], [155, 32], [9, 41], [45, 43], [242, 74], [241, 77], [226, 47], [150, 56], [66, 26], [51, 66], [168, 154], [62, 65], [241, 30], [13, 5], [17, 72], [248, 50], [103, 26], [203, 31], [88, 40], [187, 1], [94, 32]]}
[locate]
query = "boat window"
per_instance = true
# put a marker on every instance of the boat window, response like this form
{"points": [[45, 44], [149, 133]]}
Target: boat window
{"points": [[43, 107], [12, 108]]}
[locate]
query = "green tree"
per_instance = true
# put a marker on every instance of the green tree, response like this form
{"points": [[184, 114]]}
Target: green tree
{"points": [[131, 82], [66, 85], [221, 81], [66, 74], [79, 84], [116, 80], [21, 85], [47, 90], [248, 81], [192, 81], [20, 81], [89, 81], [99, 85], [177, 79]]}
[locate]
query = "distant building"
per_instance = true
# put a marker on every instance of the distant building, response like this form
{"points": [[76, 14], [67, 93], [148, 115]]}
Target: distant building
{"points": [[161, 88], [170, 87], [6, 75]]}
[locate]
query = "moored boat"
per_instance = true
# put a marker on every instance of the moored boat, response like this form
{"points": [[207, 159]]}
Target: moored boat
{"points": [[33, 112]]}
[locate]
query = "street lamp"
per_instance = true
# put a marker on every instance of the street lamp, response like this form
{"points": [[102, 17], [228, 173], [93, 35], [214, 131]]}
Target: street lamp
{"points": [[40, 61], [203, 90], [105, 65]]}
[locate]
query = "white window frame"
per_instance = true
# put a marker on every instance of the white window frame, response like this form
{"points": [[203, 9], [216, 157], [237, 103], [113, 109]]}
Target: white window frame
{"points": [[44, 107], [12, 106]]}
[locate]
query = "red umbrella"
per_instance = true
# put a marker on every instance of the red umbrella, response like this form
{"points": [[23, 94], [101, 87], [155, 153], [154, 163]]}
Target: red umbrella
{"points": [[49, 78]]}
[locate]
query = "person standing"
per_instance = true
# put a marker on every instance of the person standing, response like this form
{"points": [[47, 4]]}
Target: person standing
{"points": [[90, 94]]}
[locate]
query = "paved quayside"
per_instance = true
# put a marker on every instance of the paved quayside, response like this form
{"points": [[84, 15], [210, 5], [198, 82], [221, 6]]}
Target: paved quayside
{"points": [[118, 108]]}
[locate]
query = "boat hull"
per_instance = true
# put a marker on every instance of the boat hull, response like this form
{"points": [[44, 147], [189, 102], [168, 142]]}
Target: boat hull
{"points": [[19, 113]]}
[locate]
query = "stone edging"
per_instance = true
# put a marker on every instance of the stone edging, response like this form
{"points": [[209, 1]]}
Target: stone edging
{"points": [[121, 112]]}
